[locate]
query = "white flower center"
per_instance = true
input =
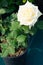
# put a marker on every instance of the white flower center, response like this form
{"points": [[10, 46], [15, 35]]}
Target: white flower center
{"points": [[28, 14]]}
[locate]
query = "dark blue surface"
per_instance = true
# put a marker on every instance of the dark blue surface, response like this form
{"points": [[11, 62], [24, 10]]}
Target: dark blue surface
{"points": [[35, 52], [35, 56]]}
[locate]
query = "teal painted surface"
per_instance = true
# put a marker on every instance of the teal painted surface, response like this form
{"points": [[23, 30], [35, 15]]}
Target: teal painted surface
{"points": [[35, 53], [35, 56], [1, 61]]}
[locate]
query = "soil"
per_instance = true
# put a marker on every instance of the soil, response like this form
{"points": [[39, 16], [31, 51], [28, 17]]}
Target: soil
{"points": [[18, 53], [4, 41]]}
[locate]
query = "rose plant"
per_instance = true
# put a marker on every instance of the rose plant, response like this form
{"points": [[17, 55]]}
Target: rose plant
{"points": [[16, 28], [19, 25]]}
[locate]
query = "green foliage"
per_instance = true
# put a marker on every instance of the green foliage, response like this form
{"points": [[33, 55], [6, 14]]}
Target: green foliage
{"points": [[24, 1], [5, 6], [6, 10], [25, 29], [33, 31], [13, 35], [4, 50], [8, 6], [2, 11], [28, 0], [15, 25], [31, 0], [7, 49], [21, 38], [2, 30], [4, 26]]}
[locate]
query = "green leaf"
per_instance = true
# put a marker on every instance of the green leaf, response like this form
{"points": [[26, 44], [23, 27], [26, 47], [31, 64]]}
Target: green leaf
{"points": [[5, 53], [19, 2], [21, 38], [12, 34], [13, 16], [6, 10], [40, 24], [24, 1], [33, 31], [11, 42], [24, 44], [9, 10], [3, 31], [31, 0], [11, 50], [4, 46], [2, 11], [3, 3], [0, 21], [26, 29], [15, 25]]}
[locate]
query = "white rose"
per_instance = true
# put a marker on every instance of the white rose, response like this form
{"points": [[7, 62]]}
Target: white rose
{"points": [[28, 14]]}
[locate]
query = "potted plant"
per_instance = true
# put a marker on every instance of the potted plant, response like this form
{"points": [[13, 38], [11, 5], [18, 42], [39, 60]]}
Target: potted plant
{"points": [[15, 32], [13, 40]]}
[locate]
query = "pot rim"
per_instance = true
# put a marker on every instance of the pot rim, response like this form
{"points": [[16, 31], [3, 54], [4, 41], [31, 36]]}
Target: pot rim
{"points": [[16, 56], [22, 53]]}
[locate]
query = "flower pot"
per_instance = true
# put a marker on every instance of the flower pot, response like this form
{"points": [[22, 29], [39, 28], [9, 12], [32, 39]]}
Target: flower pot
{"points": [[21, 60]]}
